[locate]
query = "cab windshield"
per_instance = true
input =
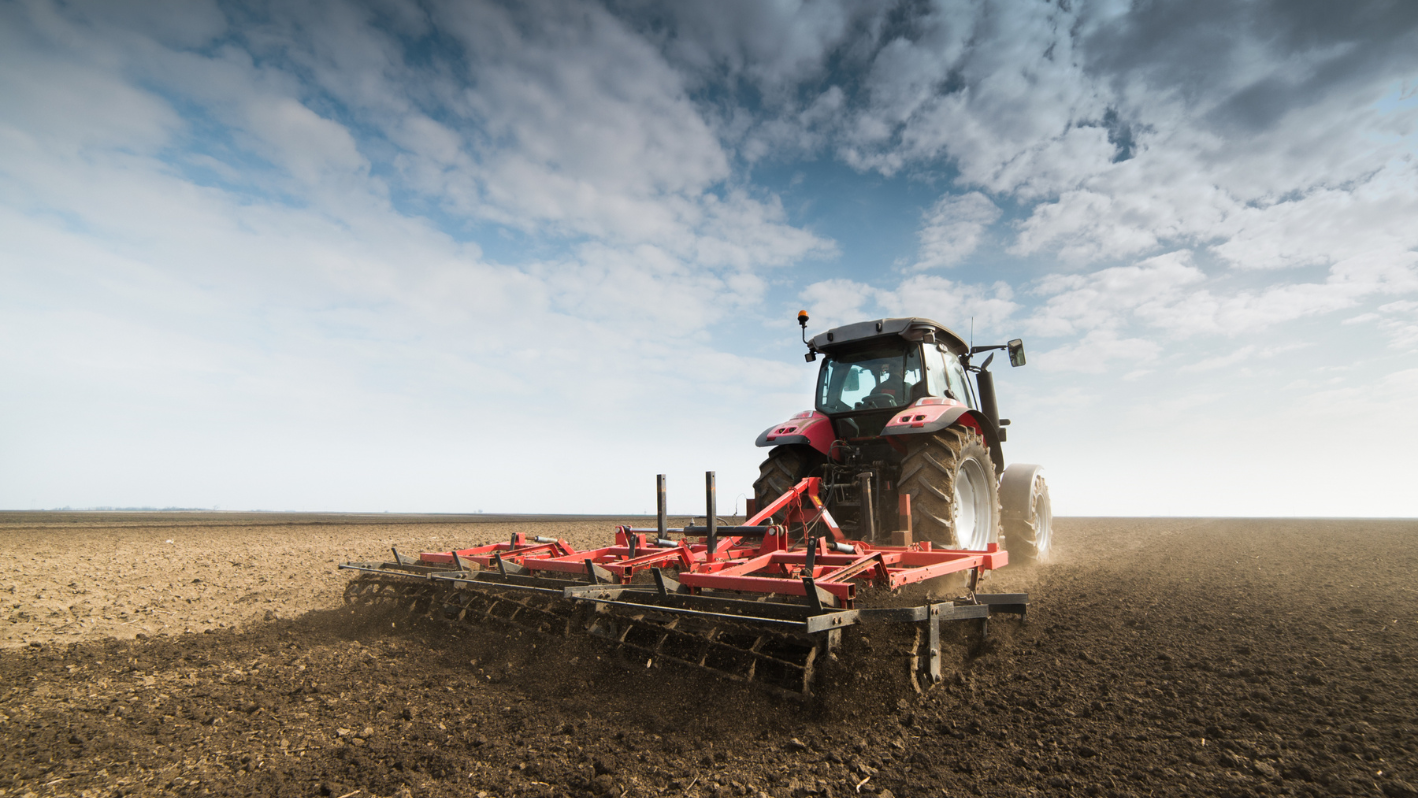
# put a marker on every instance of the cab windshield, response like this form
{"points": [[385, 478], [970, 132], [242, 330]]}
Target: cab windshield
{"points": [[885, 377]]}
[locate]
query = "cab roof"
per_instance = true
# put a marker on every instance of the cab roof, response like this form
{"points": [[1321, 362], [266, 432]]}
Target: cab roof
{"points": [[911, 329]]}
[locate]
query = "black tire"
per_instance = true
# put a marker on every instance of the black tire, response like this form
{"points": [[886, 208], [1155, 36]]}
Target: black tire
{"points": [[1029, 532], [952, 466], [785, 467]]}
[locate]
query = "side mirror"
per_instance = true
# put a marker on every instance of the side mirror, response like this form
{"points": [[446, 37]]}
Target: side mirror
{"points": [[1016, 352], [854, 381]]}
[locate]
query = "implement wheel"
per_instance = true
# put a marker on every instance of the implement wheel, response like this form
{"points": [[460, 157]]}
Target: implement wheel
{"points": [[954, 493], [785, 467], [1028, 515]]}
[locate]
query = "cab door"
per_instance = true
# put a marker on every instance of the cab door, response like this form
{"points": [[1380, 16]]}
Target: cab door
{"points": [[946, 377]]}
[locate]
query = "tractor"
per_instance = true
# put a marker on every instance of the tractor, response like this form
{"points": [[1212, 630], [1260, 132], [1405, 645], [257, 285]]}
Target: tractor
{"points": [[905, 445], [900, 445]]}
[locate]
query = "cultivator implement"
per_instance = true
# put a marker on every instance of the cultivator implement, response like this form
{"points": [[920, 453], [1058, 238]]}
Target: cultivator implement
{"points": [[764, 602]]}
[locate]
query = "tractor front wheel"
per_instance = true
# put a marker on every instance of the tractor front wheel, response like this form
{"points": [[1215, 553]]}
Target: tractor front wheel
{"points": [[1029, 517], [954, 493]]}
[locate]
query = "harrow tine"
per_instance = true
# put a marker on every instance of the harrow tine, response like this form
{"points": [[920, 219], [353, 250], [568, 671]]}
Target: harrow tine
{"points": [[665, 585], [815, 595], [597, 575]]}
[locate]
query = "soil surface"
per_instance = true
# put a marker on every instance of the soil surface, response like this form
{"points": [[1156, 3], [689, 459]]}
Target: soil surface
{"points": [[210, 654]]}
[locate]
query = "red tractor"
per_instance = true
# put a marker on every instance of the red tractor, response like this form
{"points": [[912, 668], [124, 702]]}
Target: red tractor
{"points": [[899, 437], [896, 416]]}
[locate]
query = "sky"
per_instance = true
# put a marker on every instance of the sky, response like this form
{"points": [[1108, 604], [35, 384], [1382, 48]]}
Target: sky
{"points": [[522, 257]]}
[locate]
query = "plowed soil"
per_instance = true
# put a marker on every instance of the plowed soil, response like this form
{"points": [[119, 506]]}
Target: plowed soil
{"points": [[210, 654]]}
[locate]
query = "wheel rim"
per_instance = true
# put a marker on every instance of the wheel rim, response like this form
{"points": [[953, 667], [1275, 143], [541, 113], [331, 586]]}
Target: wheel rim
{"points": [[1043, 525], [972, 511]]}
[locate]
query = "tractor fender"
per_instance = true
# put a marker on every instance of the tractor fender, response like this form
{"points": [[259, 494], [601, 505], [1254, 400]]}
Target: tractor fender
{"points": [[809, 428], [928, 419], [1016, 488]]}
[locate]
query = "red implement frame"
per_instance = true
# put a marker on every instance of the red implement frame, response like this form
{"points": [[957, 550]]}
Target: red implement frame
{"points": [[819, 563]]}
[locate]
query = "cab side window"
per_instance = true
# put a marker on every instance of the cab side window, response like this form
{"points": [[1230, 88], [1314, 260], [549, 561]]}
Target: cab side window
{"points": [[959, 385], [911, 380], [936, 381]]}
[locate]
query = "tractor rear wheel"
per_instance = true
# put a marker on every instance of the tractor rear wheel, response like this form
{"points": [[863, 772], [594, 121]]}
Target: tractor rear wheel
{"points": [[954, 492], [785, 467]]}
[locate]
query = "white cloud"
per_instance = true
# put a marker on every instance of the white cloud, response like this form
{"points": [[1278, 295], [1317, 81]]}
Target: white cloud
{"points": [[1108, 298], [1327, 224], [44, 93], [953, 229], [1095, 353], [1398, 320], [832, 303], [311, 148], [1243, 356], [1169, 293], [954, 304]]}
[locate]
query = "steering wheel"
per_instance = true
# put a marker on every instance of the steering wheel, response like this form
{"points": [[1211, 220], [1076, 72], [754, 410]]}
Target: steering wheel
{"points": [[879, 400]]}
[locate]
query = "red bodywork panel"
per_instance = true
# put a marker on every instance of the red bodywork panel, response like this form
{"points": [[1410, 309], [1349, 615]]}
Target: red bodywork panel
{"points": [[809, 549], [920, 414], [934, 414], [808, 427]]}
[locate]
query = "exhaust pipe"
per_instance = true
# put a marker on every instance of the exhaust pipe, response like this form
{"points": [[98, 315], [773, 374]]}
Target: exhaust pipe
{"points": [[985, 381]]}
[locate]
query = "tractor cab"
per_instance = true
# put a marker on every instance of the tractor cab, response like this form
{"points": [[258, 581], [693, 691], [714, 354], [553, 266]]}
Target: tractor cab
{"points": [[871, 373]]}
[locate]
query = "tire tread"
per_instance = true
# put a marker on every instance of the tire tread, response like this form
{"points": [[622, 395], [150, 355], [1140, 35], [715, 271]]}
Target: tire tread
{"points": [[928, 476]]}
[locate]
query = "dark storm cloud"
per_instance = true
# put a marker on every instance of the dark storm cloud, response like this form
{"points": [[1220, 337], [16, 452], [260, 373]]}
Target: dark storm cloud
{"points": [[1252, 63], [775, 47], [883, 70]]}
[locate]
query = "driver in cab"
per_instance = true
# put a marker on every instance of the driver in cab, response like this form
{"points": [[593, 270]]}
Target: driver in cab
{"points": [[889, 387]]}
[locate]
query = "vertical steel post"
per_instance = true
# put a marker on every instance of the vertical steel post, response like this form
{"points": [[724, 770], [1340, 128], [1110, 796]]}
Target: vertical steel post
{"points": [[868, 507], [710, 516], [660, 504], [902, 535]]}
